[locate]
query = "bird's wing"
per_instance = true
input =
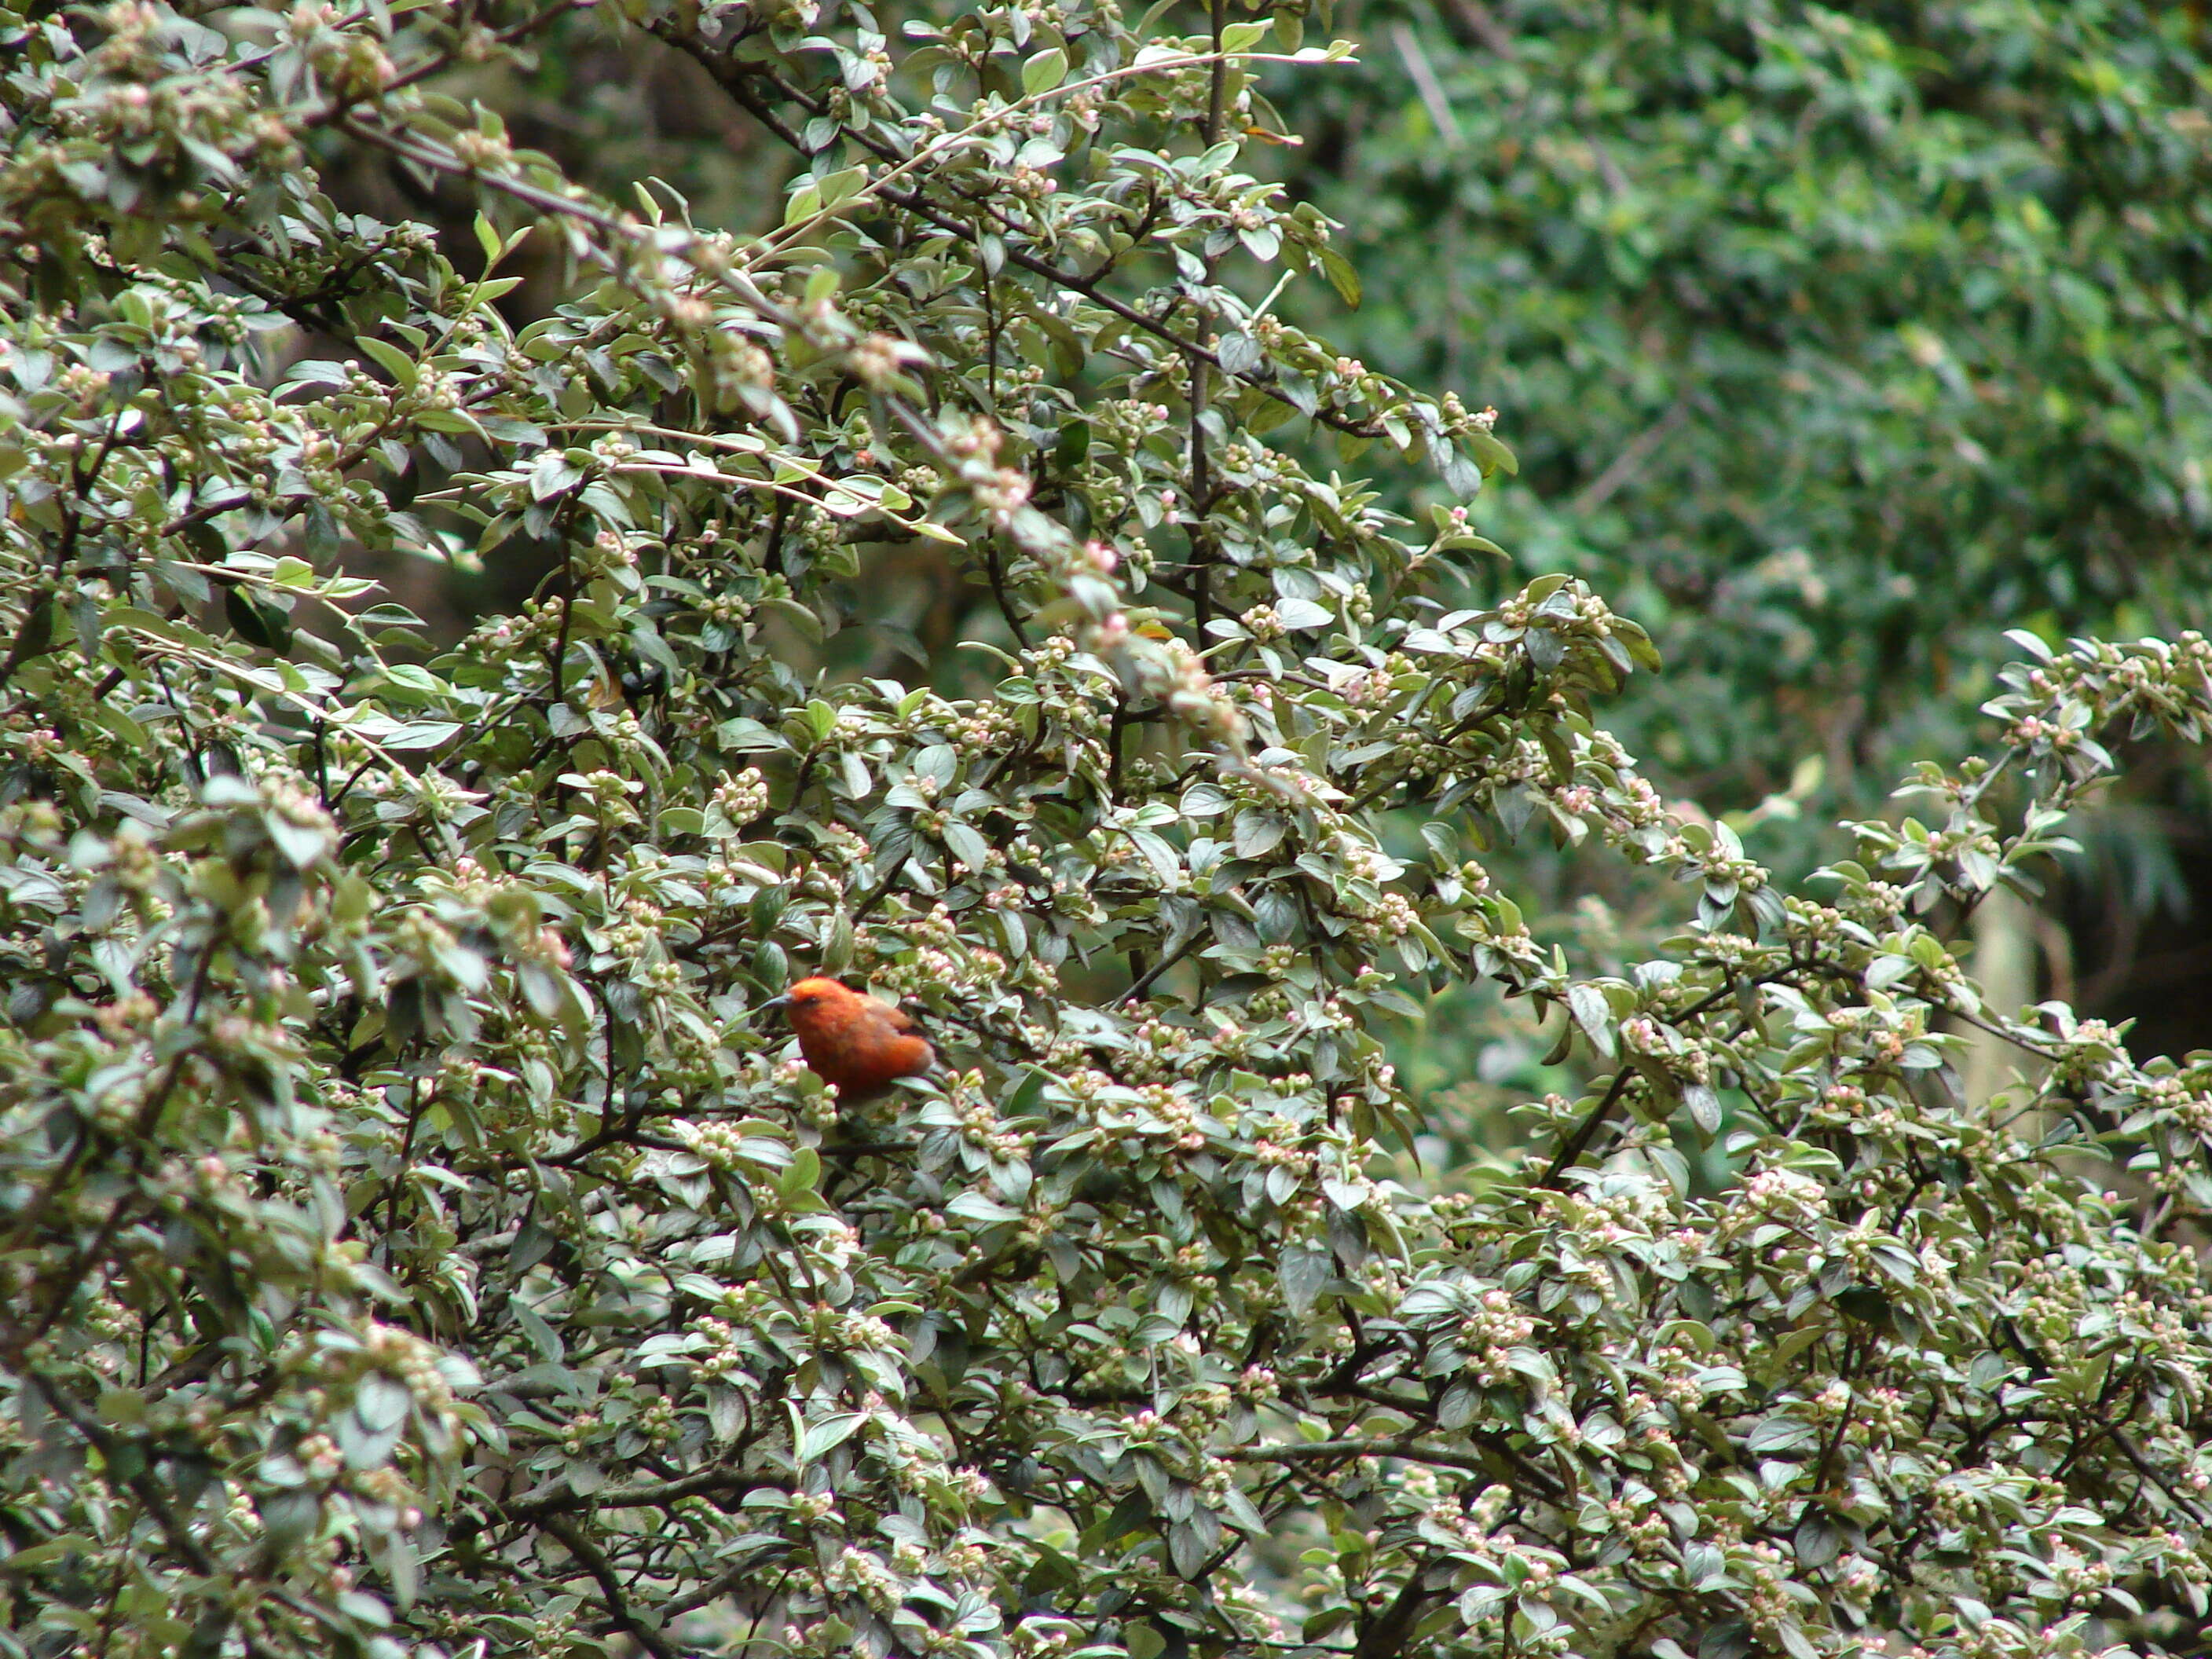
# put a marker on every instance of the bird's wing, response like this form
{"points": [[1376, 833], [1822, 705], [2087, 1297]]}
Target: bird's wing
{"points": [[899, 1020]]}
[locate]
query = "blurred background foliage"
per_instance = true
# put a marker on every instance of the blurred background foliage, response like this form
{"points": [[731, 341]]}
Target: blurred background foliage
{"points": [[1838, 341], [1834, 342]]}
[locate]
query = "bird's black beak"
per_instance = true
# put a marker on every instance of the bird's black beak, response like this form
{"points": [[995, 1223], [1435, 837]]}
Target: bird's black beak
{"points": [[783, 1001]]}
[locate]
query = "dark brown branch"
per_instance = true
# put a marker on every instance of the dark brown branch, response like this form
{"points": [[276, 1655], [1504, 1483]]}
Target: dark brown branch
{"points": [[594, 1561], [550, 1499], [1151, 976], [1578, 1143], [1384, 1636], [1217, 88]]}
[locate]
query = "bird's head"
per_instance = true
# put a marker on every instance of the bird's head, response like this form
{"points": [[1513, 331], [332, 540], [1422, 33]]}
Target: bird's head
{"points": [[811, 994]]}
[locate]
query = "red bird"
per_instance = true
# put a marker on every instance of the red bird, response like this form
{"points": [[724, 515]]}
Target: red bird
{"points": [[857, 1045]]}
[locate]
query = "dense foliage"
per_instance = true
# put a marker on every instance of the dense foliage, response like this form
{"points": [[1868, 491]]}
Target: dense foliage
{"points": [[413, 1241], [1836, 339]]}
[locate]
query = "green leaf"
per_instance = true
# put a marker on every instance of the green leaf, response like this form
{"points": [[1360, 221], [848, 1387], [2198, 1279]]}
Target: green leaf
{"points": [[1302, 1272], [1044, 71], [975, 1206], [1341, 276], [1594, 1015], [1704, 1105], [827, 1433], [401, 366], [1489, 452], [840, 186]]}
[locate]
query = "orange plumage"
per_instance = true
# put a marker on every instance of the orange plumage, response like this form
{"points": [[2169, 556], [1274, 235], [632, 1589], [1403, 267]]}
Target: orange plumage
{"points": [[856, 1044]]}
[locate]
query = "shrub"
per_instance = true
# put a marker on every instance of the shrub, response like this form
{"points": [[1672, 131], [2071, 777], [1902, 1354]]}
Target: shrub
{"points": [[416, 1242]]}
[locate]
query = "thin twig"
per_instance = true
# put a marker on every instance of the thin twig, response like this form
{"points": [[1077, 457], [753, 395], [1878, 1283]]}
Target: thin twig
{"points": [[1136, 992], [1578, 1143]]}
